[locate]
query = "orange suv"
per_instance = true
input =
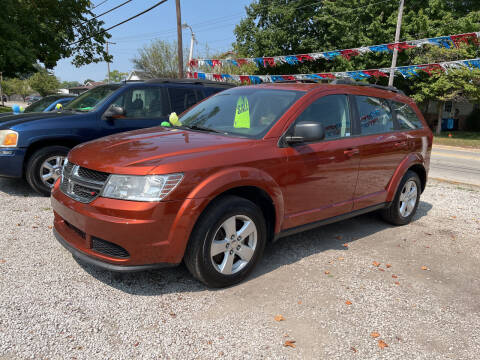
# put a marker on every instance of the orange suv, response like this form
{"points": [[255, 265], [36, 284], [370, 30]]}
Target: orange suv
{"points": [[244, 167]]}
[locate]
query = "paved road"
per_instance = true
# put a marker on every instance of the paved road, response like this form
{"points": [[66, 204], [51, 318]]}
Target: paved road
{"points": [[455, 164]]}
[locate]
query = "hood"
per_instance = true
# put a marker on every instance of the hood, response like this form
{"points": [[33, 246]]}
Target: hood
{"points": [[141, 151], [16, 119]]}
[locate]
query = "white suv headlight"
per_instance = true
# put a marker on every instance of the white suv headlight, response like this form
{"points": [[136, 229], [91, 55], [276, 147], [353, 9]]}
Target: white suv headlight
{"points": [[140, 188], [8, 138]]}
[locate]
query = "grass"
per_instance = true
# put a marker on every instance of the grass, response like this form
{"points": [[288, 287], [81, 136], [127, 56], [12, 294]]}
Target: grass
{"points": [[466, 139], [4, 109]]}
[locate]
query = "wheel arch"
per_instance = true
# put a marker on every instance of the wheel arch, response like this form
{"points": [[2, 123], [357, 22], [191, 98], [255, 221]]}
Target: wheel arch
{"points": [[413, 162]]}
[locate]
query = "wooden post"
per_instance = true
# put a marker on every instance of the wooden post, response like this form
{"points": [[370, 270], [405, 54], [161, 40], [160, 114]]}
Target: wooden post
{"points": [[179, 39]]}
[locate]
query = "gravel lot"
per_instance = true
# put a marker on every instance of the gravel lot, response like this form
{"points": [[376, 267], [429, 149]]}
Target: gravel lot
{"points": [[331, 295]]}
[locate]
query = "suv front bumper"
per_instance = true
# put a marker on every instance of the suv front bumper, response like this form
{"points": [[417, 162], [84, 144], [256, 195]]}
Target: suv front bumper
{"points": [[11, 162]]}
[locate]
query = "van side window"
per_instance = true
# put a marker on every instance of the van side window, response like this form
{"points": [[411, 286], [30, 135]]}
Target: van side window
{"points": [[144, 102], [375, 115], [333, 112], [182, 98], [406, 117]]}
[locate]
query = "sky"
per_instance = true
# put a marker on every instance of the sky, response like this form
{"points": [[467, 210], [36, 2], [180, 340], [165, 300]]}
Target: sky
{"points": [[212, 21]]}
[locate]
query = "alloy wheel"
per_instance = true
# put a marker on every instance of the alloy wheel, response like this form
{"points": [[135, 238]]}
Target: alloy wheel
{"points": [[51, 170], [408, 198]]}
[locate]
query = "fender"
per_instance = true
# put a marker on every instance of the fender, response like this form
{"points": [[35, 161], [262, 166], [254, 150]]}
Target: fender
{"points": [[210, 188], [407, 163]]}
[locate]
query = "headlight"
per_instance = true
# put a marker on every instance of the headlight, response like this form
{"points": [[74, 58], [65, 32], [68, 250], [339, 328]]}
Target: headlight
{"points": [[140, 188], [8, 138]]}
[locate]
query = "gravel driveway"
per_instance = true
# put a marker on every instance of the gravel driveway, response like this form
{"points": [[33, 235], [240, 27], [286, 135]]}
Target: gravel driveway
{"points": [[342, 291]]}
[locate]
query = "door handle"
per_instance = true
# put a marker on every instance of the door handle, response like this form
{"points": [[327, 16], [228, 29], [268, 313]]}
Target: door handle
{"points": [[351, 152]]}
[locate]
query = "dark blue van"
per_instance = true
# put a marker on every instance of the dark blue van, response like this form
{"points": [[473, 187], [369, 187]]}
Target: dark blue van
{"points": [[34, 145]]}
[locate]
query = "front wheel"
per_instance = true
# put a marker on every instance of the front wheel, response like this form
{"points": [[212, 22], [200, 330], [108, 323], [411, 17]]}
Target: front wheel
{"points": [[405, 204], [227, 242], [45, 167]]}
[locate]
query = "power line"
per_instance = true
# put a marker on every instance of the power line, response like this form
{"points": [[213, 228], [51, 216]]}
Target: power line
{"points": [[106, 12], [103, 2], [123, 22]]}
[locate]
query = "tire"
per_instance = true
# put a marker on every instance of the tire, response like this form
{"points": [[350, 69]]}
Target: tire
{"points": [[402, 210], [211, 234], [50, 155]]}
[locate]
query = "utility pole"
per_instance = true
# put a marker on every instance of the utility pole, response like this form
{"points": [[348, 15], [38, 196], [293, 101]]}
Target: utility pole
{"points": [[108, 62], [397, 38], [179, 39], [1, 88]]}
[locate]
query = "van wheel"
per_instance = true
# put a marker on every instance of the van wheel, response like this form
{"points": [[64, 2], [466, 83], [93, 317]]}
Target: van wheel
{"points": [[227, 242], [405, 204], [44, 168]]}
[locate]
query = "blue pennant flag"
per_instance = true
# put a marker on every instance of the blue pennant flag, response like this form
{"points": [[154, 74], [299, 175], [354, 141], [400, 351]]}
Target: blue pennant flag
{"points": [[259, 61], [255, 79], [472, 64], [358, 75], [443, 41], [379, 48], [292, 60], [201, 75], [330, 55], [313, 76], [409, 71], [226, 76], [234, 62], [276, 78], [209, 63]]}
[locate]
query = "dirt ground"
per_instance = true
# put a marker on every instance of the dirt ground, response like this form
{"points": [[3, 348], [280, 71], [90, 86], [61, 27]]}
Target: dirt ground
{"points": [[358, 289]]}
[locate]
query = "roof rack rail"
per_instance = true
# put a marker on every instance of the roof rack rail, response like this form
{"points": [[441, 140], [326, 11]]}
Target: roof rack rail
{"points": [[186, 81], [358, 83], [306, 81]]}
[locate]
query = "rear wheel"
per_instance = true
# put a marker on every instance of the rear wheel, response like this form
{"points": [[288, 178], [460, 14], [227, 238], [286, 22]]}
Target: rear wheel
{"points": [[45, 167], [405, 204], [227, 242]]}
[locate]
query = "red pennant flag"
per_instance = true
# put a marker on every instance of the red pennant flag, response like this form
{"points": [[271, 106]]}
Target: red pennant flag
{"points": [[217, 76], [216, 63], [375, 73], [400, 46], [193, 63], [245, 79], [195, 75], [288, 77], [304, 57], [464, 38], [242, 62], [432, 68], [347, 54], [326, 76], [268, 61]]}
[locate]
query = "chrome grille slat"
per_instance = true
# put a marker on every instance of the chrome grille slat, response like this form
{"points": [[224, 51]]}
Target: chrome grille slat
{"points": [[82, 184]]}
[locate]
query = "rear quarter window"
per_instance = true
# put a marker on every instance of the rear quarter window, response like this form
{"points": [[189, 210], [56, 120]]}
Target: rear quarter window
{"points": [[375, 115], [407, 118]]}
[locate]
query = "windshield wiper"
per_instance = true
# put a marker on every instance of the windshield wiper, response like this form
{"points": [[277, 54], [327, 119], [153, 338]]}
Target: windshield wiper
{"points": [[202, 128]]}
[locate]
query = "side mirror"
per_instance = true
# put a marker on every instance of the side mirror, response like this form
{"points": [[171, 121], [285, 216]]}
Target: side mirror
{"points": [[306, 131], [114, 112]]}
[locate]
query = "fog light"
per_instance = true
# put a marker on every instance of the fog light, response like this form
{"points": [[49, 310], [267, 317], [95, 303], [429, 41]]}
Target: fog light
{"points": [[6, 152]]}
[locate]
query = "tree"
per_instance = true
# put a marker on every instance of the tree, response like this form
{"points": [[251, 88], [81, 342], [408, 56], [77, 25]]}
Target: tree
{"points": [[44, 83], [8, 87], [69, 84], [460, 84], [116, 76], [21, 87], [46, 31], [159, 59]]}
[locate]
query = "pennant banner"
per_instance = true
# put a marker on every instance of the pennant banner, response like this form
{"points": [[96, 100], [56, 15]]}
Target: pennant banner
{"points": [[448, 42], [405, 71]]}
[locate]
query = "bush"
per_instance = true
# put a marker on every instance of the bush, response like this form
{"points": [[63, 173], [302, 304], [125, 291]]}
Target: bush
{"points": [[473, 120]]}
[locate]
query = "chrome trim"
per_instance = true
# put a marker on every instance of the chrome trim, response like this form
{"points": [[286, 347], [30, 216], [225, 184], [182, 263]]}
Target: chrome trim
{"points": [[69, 180]]}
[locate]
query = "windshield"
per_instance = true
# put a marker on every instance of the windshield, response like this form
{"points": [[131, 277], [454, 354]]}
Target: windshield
{"points": [[89, 100], [248, 112], [40, 105]]}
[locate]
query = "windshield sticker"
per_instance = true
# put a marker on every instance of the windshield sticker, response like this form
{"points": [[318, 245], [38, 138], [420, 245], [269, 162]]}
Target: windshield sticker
{"points": [[242, 114]]}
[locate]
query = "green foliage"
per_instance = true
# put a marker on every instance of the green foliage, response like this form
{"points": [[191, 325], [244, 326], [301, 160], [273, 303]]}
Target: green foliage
{"points": [[159, 59], [116, 76], [8, 87], [45, 31], [473, 120], [21, 87], [69, 84], [44, 83]]}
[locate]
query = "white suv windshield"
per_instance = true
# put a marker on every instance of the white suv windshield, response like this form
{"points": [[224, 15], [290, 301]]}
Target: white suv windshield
{"points": [[248, 112]]}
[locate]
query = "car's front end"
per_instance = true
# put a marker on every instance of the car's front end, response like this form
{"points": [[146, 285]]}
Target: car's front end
{"points": [[11, 156]]}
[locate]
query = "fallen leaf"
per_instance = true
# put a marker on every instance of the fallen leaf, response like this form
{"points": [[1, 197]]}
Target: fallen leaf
{"points": [[348, 302], [397, 283], [50, 227], [345, 245], [353, 349], [380, 269], [221, 353], [382, 344], [428, 233], [34, 227], [424, 268], [3, 261], [285, 335], [327, 272], [299, 302], [428, 247], [209, 342], [394, 276], [377, 264], [279, 318], [388, 266], [341, 258], [173, 315], [338, 237], [454, 217], [374, 334], [136, 344], [290, 343]]}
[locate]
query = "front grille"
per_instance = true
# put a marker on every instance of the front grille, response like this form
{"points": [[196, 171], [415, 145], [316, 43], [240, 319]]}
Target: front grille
{"points": [[82, 184], [108, 248]]}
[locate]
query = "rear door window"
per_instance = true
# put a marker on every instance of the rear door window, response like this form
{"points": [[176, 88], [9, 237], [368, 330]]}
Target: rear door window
{"points": [[407, 118], [375, 115], [182, 98], [144, 102]]}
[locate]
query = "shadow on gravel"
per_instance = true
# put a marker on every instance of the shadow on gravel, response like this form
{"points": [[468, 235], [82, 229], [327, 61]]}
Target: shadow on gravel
{"points": [[286, 251], [17, 187]]}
